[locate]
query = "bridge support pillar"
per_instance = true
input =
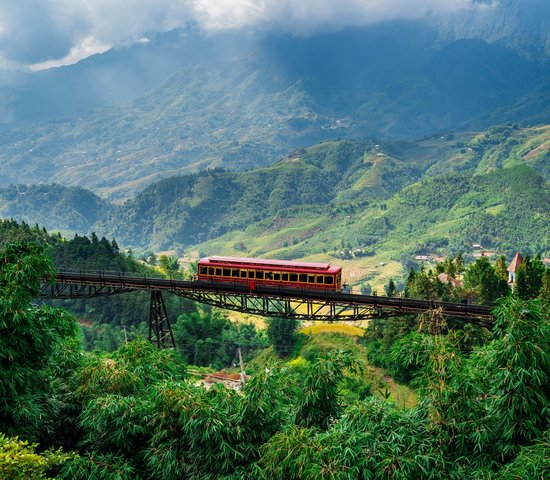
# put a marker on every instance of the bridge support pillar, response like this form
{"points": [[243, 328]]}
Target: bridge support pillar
{"points": [[159, 324]]}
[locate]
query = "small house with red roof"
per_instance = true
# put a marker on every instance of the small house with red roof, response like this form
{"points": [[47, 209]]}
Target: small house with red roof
{"points": [[513, 267]]}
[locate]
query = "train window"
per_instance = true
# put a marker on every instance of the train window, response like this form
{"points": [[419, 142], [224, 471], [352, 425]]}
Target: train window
{"points": [[284, 277], [259, 274], [269, 275], [328, 280], [303, 277], [319, 279], [210, 270], [203, 270], [219, 272], [293, 277], [277, 276], [311, 278], [251, 274], [226, 272], [234, 273], [243, 273]]}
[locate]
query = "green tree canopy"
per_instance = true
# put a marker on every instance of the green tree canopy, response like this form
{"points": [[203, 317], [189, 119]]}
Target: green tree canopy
{"points": [[28, 336]]}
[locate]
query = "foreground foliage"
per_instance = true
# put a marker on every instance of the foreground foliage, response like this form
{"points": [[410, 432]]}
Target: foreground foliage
{"points": [[134, 414]]}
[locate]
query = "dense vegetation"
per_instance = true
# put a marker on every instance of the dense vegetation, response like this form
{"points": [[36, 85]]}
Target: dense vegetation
{"points": [[53, 206], [131, 414], [479, 196], [105, 322], [388, 202]]}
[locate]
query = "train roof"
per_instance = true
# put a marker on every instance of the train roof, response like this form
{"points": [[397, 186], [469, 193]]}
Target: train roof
{"points": [[267, 262]]}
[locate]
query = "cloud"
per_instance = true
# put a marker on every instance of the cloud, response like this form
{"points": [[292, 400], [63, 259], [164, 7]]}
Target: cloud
{"points": [[33, 31], [305, 17], [50, 32]]}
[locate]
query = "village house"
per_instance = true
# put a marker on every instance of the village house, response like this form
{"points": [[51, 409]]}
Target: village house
{"points": [[513, 268]]}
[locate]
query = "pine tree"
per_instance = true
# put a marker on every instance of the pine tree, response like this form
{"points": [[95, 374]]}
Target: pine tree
{"points": [[529, 278], [282, 334], [390, 288], [501, 268]]}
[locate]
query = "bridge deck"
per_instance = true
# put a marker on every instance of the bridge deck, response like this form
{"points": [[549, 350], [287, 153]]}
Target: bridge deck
{"points": [[262, 300]]}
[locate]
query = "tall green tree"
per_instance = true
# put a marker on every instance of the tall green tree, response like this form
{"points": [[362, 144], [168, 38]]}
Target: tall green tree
{"points": [[28, 336], [459, 263], [481, 279], [529, 278], [501, 268], [390, 288], [282, 334], [319, 403], [544, 293], [519, 369]]}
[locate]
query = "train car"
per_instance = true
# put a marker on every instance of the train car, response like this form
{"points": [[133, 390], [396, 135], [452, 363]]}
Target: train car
{"points": [[259, 271]]}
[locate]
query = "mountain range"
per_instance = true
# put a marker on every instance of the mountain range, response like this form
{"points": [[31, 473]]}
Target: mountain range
{"points": [[182, 102], [355, 201]]}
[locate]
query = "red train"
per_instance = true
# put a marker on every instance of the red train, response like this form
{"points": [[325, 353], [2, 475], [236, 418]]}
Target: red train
{"points": [[259, 271]]}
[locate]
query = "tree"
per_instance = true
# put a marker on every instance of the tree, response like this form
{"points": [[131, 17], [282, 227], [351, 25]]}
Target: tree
{"points": [[529, 278], [520, 373], [390, 288], [481, 279], [459, 263], [501, 268], [19, 461], [319, 404], [169, 264], [544, 293], [28, 337], [282, 334], [450, 267]]}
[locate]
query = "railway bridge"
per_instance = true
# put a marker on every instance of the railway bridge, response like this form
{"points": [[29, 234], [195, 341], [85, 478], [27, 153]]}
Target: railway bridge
{"points": [[272, 301]]}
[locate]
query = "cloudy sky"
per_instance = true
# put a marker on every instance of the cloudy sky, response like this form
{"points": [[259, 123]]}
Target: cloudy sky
{"points": [[43, 33]]}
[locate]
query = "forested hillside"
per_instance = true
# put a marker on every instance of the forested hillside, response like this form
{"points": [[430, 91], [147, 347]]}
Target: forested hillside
{"points": [[104, 320], [387, 201], [435, 196], [72, 209], [137, 414], [194, 208]]}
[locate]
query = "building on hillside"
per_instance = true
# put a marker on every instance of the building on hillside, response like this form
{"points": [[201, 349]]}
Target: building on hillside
{"points": [[546, 262], [484, 253], [513, 268], [446, 278]]}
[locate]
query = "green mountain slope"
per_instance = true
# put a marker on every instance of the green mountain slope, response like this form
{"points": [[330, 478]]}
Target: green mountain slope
{"points": [[371, 207], [390, 81], [53, 206], [505, 210], [191, 209]]}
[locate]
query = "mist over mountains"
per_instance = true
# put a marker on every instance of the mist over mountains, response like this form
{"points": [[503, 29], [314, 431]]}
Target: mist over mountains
{"points": [[184, 101]]}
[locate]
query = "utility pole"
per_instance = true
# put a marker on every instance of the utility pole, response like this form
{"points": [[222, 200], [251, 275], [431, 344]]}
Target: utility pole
{"points": [[243, 377]]}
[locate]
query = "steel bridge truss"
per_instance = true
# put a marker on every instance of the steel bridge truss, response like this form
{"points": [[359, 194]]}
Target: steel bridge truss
{"points": [[60, 291], [279, 306], [260, 300]]}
